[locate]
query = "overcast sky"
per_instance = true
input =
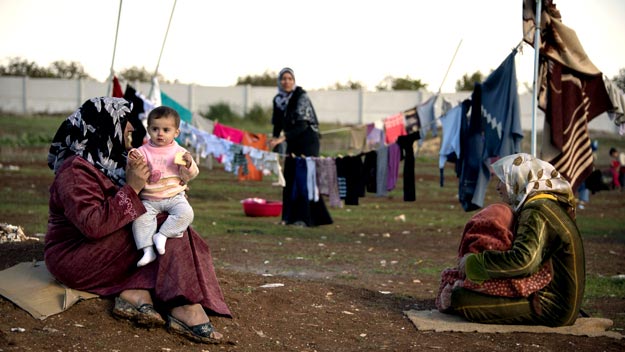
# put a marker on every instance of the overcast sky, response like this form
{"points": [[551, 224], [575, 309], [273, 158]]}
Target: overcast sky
{"points": [[213, 43]]}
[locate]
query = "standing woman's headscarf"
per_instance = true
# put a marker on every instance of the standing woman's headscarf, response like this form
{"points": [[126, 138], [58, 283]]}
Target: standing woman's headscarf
{"points": [[282, 98], [525, 175], [94, 132]]}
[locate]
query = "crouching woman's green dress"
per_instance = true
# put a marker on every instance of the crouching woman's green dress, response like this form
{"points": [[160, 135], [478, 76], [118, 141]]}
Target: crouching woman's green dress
{"points": [[546, 232]]}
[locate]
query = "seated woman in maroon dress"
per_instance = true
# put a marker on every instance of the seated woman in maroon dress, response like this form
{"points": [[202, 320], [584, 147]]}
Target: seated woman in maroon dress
{"points": [[89, 244]]}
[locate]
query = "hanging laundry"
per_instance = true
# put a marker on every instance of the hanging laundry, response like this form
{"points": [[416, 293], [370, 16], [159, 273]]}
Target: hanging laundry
{"points": [[327, 180], [501, 115], [311, 180], [358, 138], [155, 93], [445, 106], [412, 120], [450, 145], [300, 183], [571, 106], [381, 171], [474, 173], [341, 177], [141, 106], [295, 204], [494, 131], [572, 93], [350, 169], [185, 114], [369, 171], [232, 134], [427, 119], [394, 158], [406, 143], [202, 123], [117, 88], [239, 162], [617, 97], [140, 102], [375, 134], [259, 142], [394, 127]]}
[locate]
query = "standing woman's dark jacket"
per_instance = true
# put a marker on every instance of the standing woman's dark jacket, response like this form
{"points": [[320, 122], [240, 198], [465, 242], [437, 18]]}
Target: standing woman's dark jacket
{"points": [[298, 120], [299, 123]]}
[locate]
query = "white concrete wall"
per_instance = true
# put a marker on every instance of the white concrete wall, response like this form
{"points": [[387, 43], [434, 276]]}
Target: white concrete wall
{"points": [[23, 95]]}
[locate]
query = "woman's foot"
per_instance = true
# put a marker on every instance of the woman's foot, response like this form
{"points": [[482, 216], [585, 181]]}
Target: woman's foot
{"points": [[192, 321], [136, 305], [136, 297]]}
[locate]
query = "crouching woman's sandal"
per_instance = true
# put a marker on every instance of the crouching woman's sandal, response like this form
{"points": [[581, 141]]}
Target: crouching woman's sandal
{"points": [[144, 315], [204, 333]]}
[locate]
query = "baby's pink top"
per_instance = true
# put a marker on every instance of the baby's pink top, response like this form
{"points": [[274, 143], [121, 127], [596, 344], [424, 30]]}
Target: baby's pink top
{"points": [[165, 175]]}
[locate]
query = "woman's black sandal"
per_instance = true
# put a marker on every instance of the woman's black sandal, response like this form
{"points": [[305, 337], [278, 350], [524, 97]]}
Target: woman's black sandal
{"points": [[144, 315], [199, 333]]}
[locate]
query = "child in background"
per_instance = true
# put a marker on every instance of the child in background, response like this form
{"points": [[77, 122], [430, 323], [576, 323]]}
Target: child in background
{"points": [[171, 167], [615, 169]]}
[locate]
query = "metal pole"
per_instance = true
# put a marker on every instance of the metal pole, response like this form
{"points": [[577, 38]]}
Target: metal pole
{"points": [[535, 83], [165, 39], [119, 14]]}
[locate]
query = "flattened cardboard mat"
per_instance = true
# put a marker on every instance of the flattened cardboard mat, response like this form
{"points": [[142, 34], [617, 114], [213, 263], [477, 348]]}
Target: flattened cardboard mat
{"points": [[32, 288], [440, 322]]}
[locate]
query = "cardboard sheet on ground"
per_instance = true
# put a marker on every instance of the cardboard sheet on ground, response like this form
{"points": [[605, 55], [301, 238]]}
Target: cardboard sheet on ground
{"points": [[32, 288], [437, 321]]}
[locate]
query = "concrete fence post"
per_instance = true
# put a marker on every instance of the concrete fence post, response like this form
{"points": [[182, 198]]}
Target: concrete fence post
{"points": [[25, 94], [191, 96], [361, 106], [80, 92], [247, 98]]}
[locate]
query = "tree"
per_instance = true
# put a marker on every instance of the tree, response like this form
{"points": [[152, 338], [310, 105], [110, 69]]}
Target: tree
{"points": [[21, 67], [350, 85], [68, 70], [620, 79], [139, 75], [392, 83], [467, 82], [267, 79], [58, 69]]}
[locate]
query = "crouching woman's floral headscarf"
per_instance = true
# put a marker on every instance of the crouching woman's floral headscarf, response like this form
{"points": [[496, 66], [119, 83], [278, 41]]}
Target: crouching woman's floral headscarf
{"points": [[525, 176], [95, 133]]}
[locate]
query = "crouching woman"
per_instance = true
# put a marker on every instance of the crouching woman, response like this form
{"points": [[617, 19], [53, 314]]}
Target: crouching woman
{"points": [[546, 234]]}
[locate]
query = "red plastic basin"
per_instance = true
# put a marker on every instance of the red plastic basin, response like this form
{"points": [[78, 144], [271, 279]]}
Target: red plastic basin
{"points": [[259, 207]]}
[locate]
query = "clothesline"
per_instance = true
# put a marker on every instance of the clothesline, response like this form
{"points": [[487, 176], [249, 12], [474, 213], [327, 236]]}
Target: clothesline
{"points": [[336, 130]]}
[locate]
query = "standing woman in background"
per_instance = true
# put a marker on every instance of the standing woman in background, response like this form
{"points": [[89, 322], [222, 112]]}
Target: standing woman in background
{"points": [[293, 114]]}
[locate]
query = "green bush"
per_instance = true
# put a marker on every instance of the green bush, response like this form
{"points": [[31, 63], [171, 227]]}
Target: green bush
{"points": [[259, 115], [221, 112]]}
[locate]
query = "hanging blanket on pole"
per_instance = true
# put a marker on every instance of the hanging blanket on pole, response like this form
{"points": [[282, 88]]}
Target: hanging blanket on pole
{"points": [[571, 94]]}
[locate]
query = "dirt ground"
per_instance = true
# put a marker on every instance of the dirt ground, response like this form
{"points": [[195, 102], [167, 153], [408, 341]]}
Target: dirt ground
{"points": [[347, 308]]}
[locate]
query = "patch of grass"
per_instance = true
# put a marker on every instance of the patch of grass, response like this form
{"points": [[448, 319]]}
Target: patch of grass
{"points": [[601, 287], [28, 130], [248, 290]]}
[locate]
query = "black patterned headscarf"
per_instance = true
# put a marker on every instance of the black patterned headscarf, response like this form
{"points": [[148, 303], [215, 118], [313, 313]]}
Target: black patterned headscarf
{"points": [[282, 98], [94, 132]]}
